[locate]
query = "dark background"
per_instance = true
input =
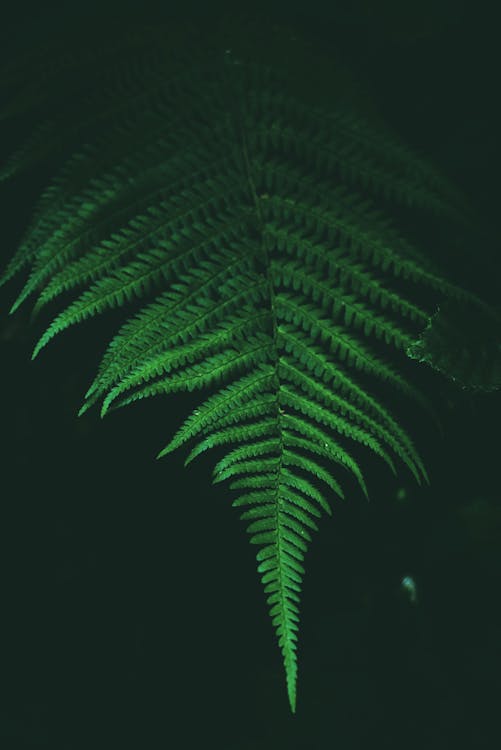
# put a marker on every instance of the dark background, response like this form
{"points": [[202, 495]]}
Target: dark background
{"points": [[132, 614]]}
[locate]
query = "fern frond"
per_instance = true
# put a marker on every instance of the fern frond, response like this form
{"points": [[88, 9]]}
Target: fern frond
{"points": [[253, 227], [215, 368], [225, 402], [136, 278], [166, 361], [175, 317]]}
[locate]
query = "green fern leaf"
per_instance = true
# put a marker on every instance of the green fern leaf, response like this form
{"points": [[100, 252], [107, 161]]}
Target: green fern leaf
{"points": [[253, 230]]}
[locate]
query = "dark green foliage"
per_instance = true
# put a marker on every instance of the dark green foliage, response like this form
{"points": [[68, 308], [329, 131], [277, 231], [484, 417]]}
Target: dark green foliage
{"points": [[464, 343], [208, 177]]}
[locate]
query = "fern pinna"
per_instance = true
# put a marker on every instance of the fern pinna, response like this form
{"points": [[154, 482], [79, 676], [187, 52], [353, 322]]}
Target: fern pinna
{"points": [[254, 221]]}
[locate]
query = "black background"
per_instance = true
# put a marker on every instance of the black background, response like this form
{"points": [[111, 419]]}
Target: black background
{"points": [[131, 611]]}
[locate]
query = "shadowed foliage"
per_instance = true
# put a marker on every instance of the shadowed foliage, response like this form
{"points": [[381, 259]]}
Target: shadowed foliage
{"points": [[225, 186]]}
